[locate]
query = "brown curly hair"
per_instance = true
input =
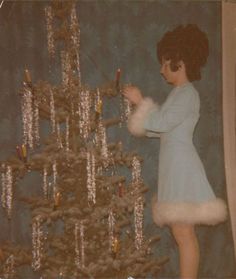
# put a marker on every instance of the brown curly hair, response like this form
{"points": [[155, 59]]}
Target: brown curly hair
{"points": [[188, 44]]}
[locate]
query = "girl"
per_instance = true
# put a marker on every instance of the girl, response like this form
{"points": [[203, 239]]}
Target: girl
{"points": [[184, 197]]}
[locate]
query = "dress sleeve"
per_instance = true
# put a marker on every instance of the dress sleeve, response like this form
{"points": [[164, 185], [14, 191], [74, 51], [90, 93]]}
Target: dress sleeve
{"points": [[137, 118], [148, 117]]}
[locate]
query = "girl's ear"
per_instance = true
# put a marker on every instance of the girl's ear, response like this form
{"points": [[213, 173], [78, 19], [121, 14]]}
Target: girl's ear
{"points": [[180, 64]]}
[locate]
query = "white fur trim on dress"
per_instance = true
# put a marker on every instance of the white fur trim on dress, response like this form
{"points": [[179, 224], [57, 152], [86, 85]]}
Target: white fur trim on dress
{"points": [[137, 118], [208, 213]]}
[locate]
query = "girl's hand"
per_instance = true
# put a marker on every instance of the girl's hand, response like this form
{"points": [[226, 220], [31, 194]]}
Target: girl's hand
{"points": [[133, 94]]}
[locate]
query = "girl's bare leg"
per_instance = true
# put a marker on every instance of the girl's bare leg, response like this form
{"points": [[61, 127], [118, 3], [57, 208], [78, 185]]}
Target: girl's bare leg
{"points": [[186, 239]]}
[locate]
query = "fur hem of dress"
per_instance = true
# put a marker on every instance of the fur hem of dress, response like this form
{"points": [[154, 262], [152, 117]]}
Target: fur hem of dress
{"points": [[137, 118], [206, 213]]}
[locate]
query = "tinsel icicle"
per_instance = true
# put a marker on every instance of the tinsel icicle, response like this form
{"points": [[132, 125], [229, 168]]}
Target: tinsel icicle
{"points": [[91, 182], [138, 221], [27, 116], [84, 113], [52, 112], [50, 35], [79, 245], [7, 189], [75, 37], [111, 224], [37, 243]]}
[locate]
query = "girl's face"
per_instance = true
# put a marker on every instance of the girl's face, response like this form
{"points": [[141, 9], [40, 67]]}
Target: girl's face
{"points": [[166, 72]]}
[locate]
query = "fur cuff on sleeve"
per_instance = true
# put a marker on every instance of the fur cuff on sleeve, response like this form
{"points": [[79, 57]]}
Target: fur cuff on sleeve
{"points": [[137, 118]]}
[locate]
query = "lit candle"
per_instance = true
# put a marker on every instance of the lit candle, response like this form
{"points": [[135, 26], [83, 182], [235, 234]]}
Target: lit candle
{"points": [[99, 107], [57, 199], [18, 151], [24, 151], [115, 245], [27, 76], [118, 73], [121, 190]]}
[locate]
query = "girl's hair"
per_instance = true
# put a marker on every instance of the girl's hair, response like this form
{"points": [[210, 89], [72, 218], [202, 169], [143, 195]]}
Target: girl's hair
{"points": [[188, 44]]}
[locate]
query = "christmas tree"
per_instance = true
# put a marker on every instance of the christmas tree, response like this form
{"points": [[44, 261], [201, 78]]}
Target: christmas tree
{"points": [[88, 221]]}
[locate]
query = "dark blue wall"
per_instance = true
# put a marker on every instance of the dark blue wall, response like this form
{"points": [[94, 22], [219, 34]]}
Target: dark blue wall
{"points": [[121, 34]]}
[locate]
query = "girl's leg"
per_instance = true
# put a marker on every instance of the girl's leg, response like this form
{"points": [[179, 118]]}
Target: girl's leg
{"points": [[186, 239]]}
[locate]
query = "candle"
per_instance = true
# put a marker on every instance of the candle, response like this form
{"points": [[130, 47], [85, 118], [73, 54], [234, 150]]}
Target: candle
{"points": [[118, 73], [115, 245], [24, 151], [99, 107], [121, 190], [57, 199], [27, 76], [18, 151]]}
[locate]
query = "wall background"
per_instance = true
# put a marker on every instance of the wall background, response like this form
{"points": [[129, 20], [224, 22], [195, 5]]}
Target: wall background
{"points": [[120, 34]]}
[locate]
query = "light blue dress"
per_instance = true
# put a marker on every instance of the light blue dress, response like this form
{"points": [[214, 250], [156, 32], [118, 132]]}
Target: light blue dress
{"points": [[184, 193]]}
